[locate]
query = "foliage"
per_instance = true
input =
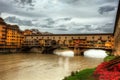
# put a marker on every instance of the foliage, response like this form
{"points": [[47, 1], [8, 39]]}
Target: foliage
{"points": [[109, 58], [82, 75], [108, 70], [109, 53]]}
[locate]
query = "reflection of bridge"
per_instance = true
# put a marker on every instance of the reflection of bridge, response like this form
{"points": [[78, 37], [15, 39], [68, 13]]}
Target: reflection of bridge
{"points": [[38, 48], [28, 48], [81, 50]]}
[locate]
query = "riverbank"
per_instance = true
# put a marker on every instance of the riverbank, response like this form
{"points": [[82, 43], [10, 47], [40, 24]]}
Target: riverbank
{"points": [[86, 74], [107, 70]]}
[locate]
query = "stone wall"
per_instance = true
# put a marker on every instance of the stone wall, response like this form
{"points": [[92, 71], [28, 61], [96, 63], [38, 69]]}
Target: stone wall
{"points": [[117, 39]]}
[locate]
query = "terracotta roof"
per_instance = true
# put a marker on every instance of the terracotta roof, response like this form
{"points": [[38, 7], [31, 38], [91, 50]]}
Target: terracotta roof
{"points": [[73, 34], [2, 21]]}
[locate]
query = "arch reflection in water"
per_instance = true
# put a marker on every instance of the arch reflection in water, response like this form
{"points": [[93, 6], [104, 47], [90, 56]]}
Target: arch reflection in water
{"points": [[66, 53], [95, 53], [64, 63]]}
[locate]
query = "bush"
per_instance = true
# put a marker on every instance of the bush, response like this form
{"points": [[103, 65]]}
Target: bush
{"points": [[109, 53], [108, 70], [109, 58]]}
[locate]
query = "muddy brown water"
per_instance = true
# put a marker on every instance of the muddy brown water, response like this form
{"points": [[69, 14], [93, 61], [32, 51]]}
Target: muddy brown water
{"points": [[41, 66]]}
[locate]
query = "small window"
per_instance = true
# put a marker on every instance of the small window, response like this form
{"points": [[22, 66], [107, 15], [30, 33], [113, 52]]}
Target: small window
{"points": [[100, 38], [53, 37], [65, 37]]}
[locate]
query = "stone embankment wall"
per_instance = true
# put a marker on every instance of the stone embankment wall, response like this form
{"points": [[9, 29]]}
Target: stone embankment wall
{"points": [[117, 38]]}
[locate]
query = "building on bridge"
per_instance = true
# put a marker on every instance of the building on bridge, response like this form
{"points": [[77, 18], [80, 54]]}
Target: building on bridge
{"points": [[102, 41]]}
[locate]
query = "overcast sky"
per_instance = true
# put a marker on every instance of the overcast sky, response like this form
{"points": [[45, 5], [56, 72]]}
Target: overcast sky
{"points": [[61, 16]]}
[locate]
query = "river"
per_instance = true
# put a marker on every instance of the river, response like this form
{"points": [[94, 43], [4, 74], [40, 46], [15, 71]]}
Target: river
{"points": [[41, 66]]}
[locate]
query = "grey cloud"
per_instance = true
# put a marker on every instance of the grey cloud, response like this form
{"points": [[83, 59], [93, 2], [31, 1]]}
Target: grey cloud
{"points": [[86, 27], [30, 8], [87, 2], [64, 19], [29, 14], [50, 21], [67, 19], [5, 7], [110, 0], [18, 21], [76, 24], [69, 1], [89, 28], [107, 1], [24, 2], [62, 29], [63, 25], [105, 9], [106, 28], [109, 25], [46, 26], [80, 29], [79, 2]]}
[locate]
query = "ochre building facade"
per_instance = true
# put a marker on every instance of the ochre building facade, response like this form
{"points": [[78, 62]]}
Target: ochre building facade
{"points": [[14, 37], [2, 33], [103, 41], [11, 36]]}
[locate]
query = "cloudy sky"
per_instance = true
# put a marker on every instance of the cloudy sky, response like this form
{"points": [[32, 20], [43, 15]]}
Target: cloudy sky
{"points": [[61, 16]]}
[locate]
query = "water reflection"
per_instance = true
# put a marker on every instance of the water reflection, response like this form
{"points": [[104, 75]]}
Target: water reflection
{"points": [[64, 63], [41, 67]]}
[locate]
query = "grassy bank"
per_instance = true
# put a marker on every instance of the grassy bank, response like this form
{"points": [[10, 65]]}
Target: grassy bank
{"points": [[86, 74]]}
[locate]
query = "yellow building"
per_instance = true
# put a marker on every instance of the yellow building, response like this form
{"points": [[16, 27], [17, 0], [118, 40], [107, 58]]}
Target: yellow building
{"points": [[2, 33], [27, 32], [14, 37]]}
